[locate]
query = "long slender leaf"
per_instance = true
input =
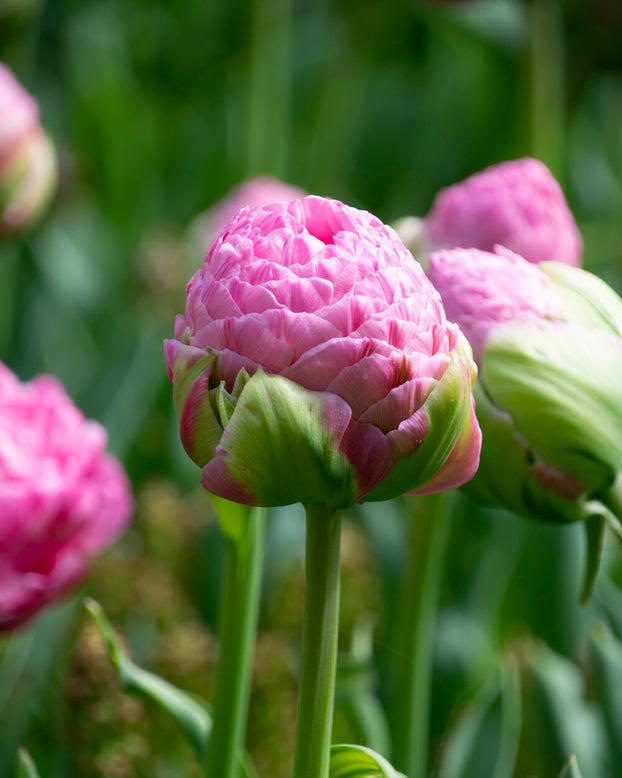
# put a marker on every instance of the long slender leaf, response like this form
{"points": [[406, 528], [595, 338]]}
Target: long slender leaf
{"points": [[570, 769], [349, 761], [193, 715], [189, 713], [26, 768]]}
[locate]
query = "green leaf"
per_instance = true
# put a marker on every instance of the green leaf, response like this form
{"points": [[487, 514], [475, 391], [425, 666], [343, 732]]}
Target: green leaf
{"points": [[233, 517], [359, 717], [29, 676], [26, 767], [486, 737], [570, 769], [557, 719], [349, 761], [189, 713], [606, 651], [594, 533]]}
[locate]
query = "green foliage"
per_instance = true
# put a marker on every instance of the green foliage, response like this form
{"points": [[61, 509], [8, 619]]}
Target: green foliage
{"points": [[157, 109]]}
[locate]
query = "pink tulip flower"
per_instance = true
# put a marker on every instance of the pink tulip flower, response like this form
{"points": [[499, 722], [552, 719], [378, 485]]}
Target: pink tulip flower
{"points": [[63, 499], [314, 363], [547, 339], [27, 158], [515, 204], [250, 193]]}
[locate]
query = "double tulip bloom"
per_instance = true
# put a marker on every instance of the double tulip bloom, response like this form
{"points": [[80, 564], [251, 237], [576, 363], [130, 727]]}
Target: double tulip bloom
{"points": [[516, 204], [314, 364], [27, 158], [548, 342], [63, 499]]}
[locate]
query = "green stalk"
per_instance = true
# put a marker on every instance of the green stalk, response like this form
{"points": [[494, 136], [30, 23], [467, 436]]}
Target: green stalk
{"points": [[547, 84], [418, 607], [319, 643], [243, 551]]}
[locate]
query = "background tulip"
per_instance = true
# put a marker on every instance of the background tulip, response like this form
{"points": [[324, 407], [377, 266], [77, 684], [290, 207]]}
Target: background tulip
{"points": [[314, 363], [27, 158], [250, 193], [548, 342], [63, 499], [517, 204]]}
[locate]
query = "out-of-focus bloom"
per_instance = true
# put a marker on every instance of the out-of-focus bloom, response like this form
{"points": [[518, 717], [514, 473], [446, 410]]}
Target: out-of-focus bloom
{"points": [[250, 193], [63, 499], [27, 158], [515, 204], [314, 364], [548, 343]]}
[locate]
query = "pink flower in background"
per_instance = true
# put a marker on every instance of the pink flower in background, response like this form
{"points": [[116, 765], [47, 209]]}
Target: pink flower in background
{"points": [[482, 290], [27, 159], [547, 339], [515, 204], [253, 192], [314, 363], [63, 499]]}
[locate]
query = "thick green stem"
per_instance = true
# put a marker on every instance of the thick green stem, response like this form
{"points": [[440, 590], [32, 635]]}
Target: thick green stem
{"points": [[319, 643], [547, 84], [417, 621], [238, 624]]}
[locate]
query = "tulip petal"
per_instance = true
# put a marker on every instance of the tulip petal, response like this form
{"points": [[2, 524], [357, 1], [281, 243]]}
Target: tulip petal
{"points": [[461, 465], [283, 445], [562, 386], [190, 370], [444, 416]]}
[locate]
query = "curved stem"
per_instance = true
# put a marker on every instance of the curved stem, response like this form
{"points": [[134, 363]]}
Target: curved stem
{"points": [[240, 606], [413, 667], [319, 643]]}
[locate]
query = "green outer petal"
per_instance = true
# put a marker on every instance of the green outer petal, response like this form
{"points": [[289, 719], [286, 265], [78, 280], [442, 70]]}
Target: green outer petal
{"points": [[585, 299], [448, 409], [562, 386], [508, 475], [281, 446], [190, 370]]}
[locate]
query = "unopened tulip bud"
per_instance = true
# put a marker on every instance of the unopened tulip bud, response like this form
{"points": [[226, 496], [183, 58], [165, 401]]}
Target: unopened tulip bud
{"points": [[27, 158], [548, 342]]}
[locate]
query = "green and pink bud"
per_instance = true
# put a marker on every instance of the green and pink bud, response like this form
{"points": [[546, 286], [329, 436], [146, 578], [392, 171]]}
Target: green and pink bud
{"points": [[314, 364], [27, 157], [548, 342]]}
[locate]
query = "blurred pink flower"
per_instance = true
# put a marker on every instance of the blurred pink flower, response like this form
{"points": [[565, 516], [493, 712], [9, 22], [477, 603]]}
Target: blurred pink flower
{"points": [[515, 204], [27, 158], [483, 290], [547, 339], [330, 316], [63, 499], [252, 192]]}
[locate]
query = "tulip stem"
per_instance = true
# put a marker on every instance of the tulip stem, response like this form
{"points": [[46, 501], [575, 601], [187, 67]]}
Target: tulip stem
{"points": [[243, 561], [547, 84], [420, 590], [319, 643]]}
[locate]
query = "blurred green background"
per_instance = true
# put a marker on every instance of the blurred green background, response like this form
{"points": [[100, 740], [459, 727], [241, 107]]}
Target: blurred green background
{"points": [[157, 109]]}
